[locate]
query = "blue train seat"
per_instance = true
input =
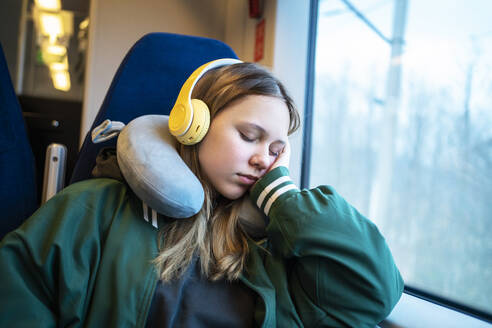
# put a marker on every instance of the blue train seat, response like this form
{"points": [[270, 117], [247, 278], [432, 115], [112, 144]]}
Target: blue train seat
{"points": [[148, 82], [18, 196]]}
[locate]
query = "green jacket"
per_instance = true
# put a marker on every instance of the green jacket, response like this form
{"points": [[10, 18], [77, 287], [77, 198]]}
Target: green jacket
{"points": [[84, 259]]}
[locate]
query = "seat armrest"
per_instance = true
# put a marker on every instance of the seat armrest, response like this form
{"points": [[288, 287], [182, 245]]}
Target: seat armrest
{"points": [[54, 170]]}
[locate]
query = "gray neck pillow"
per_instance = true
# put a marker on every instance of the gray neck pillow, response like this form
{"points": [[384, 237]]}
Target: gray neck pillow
{"points": [[151, 165], [148, 159]]}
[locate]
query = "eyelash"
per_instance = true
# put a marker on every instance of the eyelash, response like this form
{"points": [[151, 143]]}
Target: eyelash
{"points": [[245, 138]]}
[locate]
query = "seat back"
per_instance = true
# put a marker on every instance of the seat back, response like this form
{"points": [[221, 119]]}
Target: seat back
{"points": [[18, 198], [148, 82]]}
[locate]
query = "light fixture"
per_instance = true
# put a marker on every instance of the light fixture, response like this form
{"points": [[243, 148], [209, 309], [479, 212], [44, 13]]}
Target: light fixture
{"points": [[84, 24], [55, 49], [51, 5], [54, 28], [61, 80], [50, 25], [59, 66], [51, 53]]}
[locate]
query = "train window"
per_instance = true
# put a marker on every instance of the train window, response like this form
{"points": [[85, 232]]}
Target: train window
{"points": [[402, 128]]}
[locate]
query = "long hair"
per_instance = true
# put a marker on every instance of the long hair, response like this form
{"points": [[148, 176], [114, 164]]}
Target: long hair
{"points": [[214, 233]]}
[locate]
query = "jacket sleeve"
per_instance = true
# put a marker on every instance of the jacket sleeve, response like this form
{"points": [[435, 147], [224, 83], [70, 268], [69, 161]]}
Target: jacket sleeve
{"points": [[47, 265], [342, 265]]}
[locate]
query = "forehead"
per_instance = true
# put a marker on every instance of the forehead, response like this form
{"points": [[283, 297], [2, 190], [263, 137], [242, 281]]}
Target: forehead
{"points": [[270, 113]]}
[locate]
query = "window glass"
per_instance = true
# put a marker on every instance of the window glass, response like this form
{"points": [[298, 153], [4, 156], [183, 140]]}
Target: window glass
{"points": [[404, 132]]}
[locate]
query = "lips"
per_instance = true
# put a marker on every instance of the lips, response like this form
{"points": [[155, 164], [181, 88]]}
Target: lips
{"points": [[247, 179]]}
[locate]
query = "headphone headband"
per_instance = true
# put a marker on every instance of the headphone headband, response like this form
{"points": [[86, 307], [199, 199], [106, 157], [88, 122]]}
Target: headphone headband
{"points": [[189, 84]]}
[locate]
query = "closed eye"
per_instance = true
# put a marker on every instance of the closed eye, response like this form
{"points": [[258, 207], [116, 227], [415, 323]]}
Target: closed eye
{"points": [[246, 138]]}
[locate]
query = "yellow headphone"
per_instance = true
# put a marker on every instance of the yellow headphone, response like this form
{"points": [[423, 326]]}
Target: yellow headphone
{"points": [[190, 118]]}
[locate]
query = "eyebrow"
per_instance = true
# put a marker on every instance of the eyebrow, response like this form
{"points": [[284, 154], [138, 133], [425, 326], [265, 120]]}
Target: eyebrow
{"points": [[261, 130]]}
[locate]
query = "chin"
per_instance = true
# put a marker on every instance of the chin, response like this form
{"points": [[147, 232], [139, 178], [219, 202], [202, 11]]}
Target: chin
{"points": [[232, 194]]}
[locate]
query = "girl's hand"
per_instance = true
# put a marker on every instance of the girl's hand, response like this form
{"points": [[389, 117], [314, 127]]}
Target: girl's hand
{"points": [[283, 158]]}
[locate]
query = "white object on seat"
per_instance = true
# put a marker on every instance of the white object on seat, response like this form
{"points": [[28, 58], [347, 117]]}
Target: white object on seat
{"points": [[106, 130]]}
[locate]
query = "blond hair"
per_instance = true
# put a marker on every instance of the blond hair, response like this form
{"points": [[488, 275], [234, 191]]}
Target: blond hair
{"points": [[214, 234]]}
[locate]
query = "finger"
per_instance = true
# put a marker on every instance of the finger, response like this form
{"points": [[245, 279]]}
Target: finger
{"points": [[283, 158]]}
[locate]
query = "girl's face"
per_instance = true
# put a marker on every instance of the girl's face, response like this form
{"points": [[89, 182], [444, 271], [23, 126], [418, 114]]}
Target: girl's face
{"points": [[243, 141]]}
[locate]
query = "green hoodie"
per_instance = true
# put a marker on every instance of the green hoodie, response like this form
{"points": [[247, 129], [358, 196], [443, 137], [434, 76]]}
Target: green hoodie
{"points": [[84, 260]]}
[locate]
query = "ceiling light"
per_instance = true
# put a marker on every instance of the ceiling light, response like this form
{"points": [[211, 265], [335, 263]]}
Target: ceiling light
{"points": [[61, 80], [51, 5]]}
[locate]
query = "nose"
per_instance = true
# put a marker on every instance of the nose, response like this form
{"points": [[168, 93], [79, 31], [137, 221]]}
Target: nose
{"points": [[260, 160]]}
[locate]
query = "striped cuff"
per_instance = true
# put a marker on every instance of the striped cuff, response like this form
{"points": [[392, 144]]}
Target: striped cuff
{"points": [[273, 186]]}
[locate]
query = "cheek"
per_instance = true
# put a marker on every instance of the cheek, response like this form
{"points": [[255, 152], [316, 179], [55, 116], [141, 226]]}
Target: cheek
{"points": [[213, 154], [222, 157], [225, 143], [228, 154]]}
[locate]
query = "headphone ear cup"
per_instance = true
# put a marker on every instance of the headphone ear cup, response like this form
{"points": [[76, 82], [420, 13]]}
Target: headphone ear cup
{"points": [[199, 125]]}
